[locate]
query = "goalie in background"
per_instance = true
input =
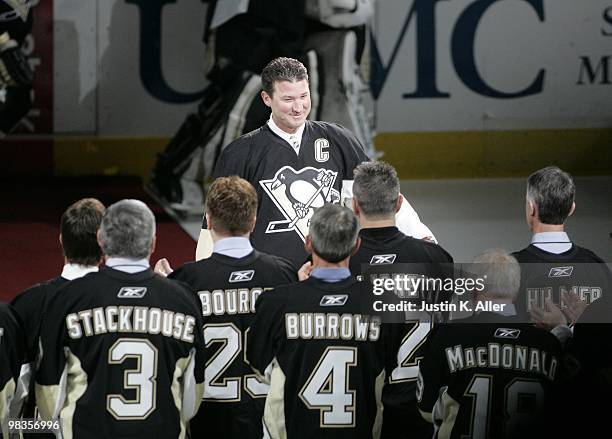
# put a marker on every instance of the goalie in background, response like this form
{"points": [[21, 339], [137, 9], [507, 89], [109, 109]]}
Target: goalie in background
{"points": [[16, 75], [328, 36]]}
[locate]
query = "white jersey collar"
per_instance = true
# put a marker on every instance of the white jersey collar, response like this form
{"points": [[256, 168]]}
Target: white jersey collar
{"points": [[286, 136]]}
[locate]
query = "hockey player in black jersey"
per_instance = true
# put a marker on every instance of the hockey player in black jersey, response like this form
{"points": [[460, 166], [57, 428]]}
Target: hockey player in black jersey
{"points": [[82, 254], [489, 375], [122, 349], [296, 165], [387, 252], [12, 352], [228, 284], [552, 263], [320, 344]]}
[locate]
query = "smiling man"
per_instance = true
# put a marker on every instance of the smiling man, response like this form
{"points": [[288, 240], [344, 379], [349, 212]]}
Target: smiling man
{"points": [[295, 164]]}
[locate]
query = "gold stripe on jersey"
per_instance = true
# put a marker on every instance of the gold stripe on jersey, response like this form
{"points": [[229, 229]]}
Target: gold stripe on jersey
{"points": [[187, 394], [274, 411], [5, 395], [446, 408], [76, 385], [378, 388]]}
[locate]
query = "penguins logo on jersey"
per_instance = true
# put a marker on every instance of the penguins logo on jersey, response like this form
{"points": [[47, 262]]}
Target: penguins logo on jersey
{"points": [[296, 194]]}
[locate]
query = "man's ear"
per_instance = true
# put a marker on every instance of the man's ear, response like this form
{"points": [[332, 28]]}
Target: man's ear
{"points": [[253, 225], [355, 206], [209, 222], [571, 210], [531, 208], [357, 244], [398, 205], [60, 240], [153, 244], [267, 99], [308, 244]]}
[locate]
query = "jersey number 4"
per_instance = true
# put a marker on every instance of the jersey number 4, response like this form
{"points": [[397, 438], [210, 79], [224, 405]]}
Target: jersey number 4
{"points": [[327, 388]]}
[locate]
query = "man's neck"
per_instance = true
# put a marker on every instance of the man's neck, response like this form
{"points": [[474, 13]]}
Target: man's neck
{"points": [[219, 236], [317, 262], [366, 223], [539, 227]]}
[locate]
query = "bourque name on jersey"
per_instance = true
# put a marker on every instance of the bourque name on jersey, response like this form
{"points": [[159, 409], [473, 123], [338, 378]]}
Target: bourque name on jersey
{"points": [[232, 301], [494, 355], [331, 326], [130, 319], [296, 194]]}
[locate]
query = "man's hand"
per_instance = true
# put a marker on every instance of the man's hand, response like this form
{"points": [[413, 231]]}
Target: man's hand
{"points": [[304, 272], [549, 317], [575, 306], [14, 68], [163, 268]]}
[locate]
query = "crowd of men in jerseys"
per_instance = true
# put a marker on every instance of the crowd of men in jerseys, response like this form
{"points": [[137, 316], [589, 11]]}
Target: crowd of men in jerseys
{"points": [[235, 346]]}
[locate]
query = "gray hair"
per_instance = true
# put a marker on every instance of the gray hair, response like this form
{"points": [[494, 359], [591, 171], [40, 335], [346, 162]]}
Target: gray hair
{"points": [[282, 69], [552, 191], [501, 273], [333, 232], [127, 230], [376, 188]]}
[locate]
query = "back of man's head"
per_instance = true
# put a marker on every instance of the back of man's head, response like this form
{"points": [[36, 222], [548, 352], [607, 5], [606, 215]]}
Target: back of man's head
{"points": [[282, 69], [333, 232], [500, 272], [128, 230], [376, 189], [552, 191], [231, 204], [78, 227]]}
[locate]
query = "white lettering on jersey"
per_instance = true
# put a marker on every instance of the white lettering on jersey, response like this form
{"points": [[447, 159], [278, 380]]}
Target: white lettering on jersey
{"points": [[296, 194]]}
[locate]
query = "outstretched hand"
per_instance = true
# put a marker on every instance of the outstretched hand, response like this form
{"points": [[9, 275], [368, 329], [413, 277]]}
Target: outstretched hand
{"points": [[163, 268]]}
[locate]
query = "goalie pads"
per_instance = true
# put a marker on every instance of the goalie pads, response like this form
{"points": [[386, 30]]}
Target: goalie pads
{"points": [[15, 70], [340, 14], [341, 94]]}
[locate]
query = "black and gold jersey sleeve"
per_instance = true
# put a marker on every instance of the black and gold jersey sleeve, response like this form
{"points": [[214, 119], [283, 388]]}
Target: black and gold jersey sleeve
{"points": [[12, 352]]}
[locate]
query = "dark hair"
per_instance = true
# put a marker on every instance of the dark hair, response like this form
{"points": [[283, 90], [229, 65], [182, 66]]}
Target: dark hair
{"points": [[376, 188], [333, 232], [78, 227], [282, 69], [552, 191], [232, 203]]}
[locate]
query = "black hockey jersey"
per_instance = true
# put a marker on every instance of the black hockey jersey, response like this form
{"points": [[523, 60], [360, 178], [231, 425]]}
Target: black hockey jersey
{"points": [[291, 186], [488, 376], [228, 288], [12, 352], [386, 252], [29, 306], [545, 274], [327, 357], [122, 356]]}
